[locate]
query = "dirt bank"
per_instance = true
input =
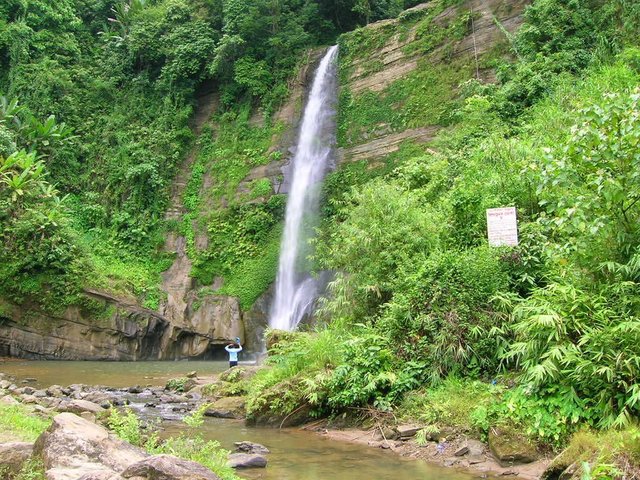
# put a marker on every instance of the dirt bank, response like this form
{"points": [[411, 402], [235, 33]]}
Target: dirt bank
{"points": [[443, 453]]}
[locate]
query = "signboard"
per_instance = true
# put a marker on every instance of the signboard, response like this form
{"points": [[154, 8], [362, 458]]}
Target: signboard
{"points": [[502, 226]]}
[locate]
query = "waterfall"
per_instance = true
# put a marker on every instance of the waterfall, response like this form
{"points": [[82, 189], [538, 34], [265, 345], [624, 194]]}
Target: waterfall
{"points": [[296, 291]]}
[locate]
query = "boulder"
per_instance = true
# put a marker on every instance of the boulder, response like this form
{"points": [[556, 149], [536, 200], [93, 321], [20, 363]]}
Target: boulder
{"points": [[13, 455], [476, 447], [247, 460], [168, 467], [510, 447], [407, 431], [79, 406], [250, 447], [8, 400], [72, 447], [82, 472], [227, 407]]}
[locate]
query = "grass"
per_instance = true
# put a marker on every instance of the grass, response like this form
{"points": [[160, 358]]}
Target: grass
{"points": [[426, 96], [602, 455], [17, 424], [451, 404]]}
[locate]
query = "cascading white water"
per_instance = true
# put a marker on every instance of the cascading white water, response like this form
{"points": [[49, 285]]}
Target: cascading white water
{"points": [[295, 292]]}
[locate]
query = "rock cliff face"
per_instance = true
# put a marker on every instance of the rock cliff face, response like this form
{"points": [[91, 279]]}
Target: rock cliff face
{"points": [[114, 329], [118, 329], [407, 47]]}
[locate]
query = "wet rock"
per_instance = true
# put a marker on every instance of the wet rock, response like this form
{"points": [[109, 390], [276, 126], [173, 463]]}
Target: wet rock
{"points": [[29, 380], [407, 431], [72, 447], [40, 393], [134, 389], [192, 374], [168, 467], [13, 455], [247, 460], [227, 407], [510, 447], [251, 447]]}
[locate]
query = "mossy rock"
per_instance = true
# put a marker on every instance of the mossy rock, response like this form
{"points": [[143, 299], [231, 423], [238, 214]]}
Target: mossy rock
{"points": [[224, 389], [511, 447], [181, 385], [238, 374], [280, 405], [227, 407], [276, 338]]}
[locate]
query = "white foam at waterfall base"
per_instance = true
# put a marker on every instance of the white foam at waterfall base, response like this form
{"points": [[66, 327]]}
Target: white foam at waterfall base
{"points": [[296, 291]]}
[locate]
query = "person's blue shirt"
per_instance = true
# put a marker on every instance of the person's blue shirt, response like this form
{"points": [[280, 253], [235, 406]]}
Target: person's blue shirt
{"points": [[233, 352]]}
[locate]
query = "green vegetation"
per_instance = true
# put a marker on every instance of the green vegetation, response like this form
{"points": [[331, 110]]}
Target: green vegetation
{"points": [[18, 424], [423, 318], [193, 447], [99, 96]]}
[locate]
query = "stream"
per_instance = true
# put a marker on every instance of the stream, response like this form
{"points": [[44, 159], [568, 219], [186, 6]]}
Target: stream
{"points": [[295, 454]]}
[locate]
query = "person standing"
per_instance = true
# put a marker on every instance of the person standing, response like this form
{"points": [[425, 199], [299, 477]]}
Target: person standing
{"points": [[233, 349]]}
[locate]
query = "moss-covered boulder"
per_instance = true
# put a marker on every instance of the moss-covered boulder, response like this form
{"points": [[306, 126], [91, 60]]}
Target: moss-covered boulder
{"points": [[278, 338], [282, 405], [238, 374], [227, 407], [511, 447]]}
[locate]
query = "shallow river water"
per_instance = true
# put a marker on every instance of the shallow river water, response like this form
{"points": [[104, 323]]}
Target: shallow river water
{"points": [[295, 454], [111, 374]]}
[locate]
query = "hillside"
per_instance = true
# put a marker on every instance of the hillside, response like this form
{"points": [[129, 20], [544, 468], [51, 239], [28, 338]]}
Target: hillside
{"points": [[217, 242]]}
